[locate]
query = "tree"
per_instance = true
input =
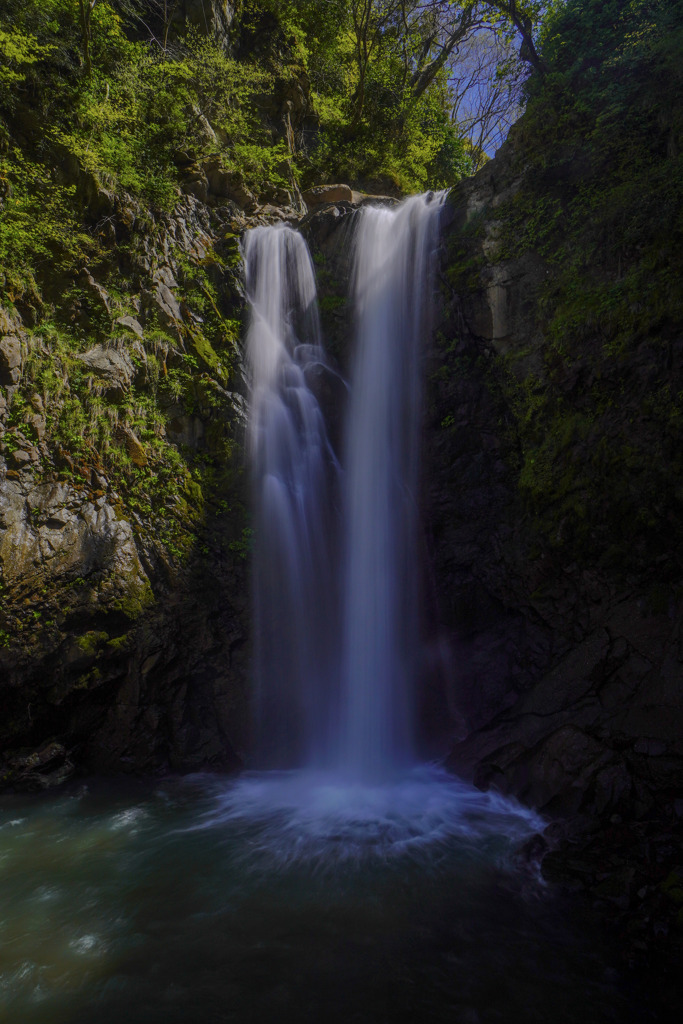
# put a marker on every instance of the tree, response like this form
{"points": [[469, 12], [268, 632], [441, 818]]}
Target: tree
{"points": [[484, 93], [17, 51], [370, 18], [155, 16], [524, 15], [428, 34]]}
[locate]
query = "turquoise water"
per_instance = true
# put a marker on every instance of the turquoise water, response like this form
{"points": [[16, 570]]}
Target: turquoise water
{"points": [[284, 897]]}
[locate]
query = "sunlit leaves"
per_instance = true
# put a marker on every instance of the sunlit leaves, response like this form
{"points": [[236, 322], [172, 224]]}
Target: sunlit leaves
{"points": [[38, 222]]}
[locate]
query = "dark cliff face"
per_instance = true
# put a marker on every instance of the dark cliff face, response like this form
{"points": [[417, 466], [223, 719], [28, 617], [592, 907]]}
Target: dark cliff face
{"points": [[552, 508], [566, 664], [124, 615]]}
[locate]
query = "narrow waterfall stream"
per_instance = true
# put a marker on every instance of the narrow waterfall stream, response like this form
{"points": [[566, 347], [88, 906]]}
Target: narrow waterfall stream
{"points": [[339, 880], [295, 486], [392, 290]]}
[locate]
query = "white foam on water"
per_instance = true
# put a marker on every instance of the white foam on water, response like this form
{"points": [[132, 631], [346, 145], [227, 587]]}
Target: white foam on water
{"points": [[305, 816], [129, 819]]}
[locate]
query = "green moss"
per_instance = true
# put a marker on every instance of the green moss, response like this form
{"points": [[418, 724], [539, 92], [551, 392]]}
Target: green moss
{"points": [[88, 679], [119, 644], [597, 431], [330, 303], [135, 601], [244, 545], [89, 643], [202, 347]]}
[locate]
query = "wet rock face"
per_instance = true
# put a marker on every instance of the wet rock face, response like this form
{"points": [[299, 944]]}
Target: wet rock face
{"points": [[126, 654], [565, 682], [131, 664]]}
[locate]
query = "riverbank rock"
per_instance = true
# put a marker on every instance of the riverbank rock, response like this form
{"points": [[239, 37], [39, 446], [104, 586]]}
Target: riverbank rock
{"points": [[319, 194], [105, 649]]}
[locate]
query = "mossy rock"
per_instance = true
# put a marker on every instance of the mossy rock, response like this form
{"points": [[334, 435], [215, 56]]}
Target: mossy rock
{"points": [[135, 600]]}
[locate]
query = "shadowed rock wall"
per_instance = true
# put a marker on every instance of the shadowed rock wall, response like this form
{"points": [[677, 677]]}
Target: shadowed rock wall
{"points": [[568, 676]]}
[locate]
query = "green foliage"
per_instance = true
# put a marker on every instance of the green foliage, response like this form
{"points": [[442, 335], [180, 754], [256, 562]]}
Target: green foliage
{"points": [[39, 226], [128, 125], [399, 141], [89, 643], [131, 119], [136, 599], [119, 644], [17, 51]]}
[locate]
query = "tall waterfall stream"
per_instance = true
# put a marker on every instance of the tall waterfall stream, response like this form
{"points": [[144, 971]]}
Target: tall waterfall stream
{"points": [[340, 879]]}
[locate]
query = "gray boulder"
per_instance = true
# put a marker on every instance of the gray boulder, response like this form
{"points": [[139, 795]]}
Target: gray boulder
{"points": [[10, 360], [113, 368]]}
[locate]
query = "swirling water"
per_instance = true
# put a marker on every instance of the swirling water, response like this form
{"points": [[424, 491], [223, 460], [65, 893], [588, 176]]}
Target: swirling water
{"points": [[284, 897]]}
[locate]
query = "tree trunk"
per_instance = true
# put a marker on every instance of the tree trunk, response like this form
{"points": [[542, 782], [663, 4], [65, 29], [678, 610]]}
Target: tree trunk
{"points": [[524, 26], [424, 77], [86, 8]]}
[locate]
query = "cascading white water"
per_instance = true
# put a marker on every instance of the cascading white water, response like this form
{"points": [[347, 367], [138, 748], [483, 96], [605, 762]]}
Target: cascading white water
{"points": [[335, 571], [394, 252], [294, 472], [363, 724]]}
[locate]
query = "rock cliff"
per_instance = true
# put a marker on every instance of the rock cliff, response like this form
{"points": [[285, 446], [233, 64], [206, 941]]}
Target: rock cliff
{"points": [[566, 656], [552, 507], [124, 615], [124, 528]]}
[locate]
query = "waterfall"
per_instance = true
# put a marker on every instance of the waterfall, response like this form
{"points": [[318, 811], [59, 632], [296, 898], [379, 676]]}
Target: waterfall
{"points": [[295, 482], [393, 284], [336, 574], [337, 637]]}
